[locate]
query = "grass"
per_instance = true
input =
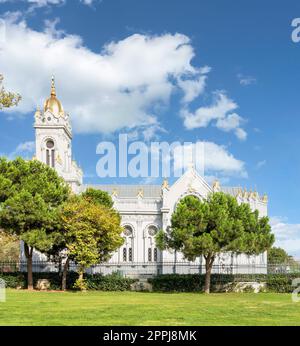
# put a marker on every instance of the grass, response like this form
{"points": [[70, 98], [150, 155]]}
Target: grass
{"points": [[24, 308]]}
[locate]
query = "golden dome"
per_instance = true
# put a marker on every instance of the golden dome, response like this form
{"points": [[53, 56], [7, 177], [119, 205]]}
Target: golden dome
{"points": [[52, 103]]}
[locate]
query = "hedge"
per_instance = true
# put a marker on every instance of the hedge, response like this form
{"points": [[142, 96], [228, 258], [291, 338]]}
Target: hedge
{"points": [[113, 282], [13, 280], [281, 283]]}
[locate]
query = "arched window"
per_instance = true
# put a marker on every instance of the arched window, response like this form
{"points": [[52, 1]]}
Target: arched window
{"points": [[127, 249], [152, 251], [50, 153]]}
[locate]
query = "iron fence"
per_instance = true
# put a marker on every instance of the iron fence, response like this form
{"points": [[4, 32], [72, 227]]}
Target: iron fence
{"points": [[148, 269]]}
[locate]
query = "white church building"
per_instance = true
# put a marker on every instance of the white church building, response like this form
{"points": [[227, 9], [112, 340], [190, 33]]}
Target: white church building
{"points": [[144, 209]]}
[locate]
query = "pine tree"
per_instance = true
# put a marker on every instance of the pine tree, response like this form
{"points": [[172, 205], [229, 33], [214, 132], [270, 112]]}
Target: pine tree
{"points": [[213, 226], [30, 194]]}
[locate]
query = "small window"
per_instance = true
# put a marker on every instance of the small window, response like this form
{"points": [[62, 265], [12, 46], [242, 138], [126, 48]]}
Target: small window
{"points": [[50, 144], [124, 254], [130, 257], [127, 231], [48, 157], [152, 230], [127, 250], [150, 254], [155, 254], [50, 153]]}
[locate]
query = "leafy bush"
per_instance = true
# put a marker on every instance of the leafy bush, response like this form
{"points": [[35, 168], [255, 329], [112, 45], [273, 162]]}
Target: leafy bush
{"points": [[80, 284], [19, 279], [281, 283], [112, 282], [54, 279], [195, 282], [13, 280], [177, 283]]}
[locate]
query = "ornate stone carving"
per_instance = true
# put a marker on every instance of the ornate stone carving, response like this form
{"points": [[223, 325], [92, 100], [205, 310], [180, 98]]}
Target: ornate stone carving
{"points": [[140, 193], [216, 186], [114, 193], [165, 185]]}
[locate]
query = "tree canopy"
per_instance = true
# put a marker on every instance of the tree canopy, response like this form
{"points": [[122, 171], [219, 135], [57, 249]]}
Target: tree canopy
{"points": [[30, 194], [213, 226], [92, 232], [98, 196], [9, 248], [277, 255], [7, 98]]}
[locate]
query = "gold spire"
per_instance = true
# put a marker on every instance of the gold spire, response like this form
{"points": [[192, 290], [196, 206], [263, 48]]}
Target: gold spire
{"points": [[53, 91], [52, 104]]}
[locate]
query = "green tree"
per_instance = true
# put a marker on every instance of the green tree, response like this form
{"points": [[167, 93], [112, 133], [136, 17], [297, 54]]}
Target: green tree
{"points": [[213, 226], [91, 233], [7, 98], [30, 194], [9, 248], [98, 196], [277, 255]]}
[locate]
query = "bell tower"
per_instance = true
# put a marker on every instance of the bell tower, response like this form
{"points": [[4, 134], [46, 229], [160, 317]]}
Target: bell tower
{"points": [[53, 138]]}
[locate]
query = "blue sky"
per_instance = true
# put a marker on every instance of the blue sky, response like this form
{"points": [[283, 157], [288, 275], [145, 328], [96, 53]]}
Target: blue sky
{"points": [[242, 94]]}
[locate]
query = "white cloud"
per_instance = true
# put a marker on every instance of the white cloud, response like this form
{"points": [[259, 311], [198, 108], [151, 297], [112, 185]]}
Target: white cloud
{"points": [[287, 235], [43, 3], [222, 113], [246, 80], [88, 2], [217, 159], [260, 164], [24, 149], [241, 134], [123, 86], [37, 3], [194, 87]]}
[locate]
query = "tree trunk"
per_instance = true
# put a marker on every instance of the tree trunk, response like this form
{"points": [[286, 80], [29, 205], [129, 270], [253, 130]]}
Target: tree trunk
{"points": [[28, 253], [175, 262], [209, 260], [81, 272], [64, 275]]}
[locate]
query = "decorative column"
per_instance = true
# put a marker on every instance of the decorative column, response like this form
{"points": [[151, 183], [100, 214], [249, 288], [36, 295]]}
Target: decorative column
{"points": [[166, 256]]}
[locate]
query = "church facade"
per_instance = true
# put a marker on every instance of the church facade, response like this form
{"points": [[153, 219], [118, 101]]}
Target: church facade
{"points": [[144, 209]]}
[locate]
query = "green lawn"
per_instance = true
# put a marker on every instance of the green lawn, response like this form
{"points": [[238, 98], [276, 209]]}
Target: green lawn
{"points": [[132, 308]]}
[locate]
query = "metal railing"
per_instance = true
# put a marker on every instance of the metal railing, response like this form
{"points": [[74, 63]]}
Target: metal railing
{"points": [[147, 269]]}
